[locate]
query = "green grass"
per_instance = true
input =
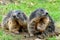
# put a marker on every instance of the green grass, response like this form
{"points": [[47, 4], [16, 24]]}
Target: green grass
{"points": [[1, 18], [53, 38], [29, 6]]}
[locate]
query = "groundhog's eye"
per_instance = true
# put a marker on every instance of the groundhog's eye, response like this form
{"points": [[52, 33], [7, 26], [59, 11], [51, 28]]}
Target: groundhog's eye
{"points": [[18, 13], [41, 10]]}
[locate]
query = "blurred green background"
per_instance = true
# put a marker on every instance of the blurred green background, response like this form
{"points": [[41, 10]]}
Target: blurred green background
{"points": [[28, 6]]}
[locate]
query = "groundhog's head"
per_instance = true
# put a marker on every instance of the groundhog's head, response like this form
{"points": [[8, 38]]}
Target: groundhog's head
{"points": [[16, 14], [41, 12]]}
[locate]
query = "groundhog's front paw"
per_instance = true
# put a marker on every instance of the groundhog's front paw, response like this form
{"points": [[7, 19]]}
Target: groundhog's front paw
{"points": [[31, 35], [15, 32], [40, 37], [28, 36]]}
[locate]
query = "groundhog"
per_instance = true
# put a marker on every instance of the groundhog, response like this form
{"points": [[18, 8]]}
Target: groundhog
{"points": [[40, 22], [15, 21]]}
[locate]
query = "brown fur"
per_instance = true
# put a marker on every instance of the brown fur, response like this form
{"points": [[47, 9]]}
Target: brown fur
{"points": [[43, 24], [13, 25], [22, 23]]}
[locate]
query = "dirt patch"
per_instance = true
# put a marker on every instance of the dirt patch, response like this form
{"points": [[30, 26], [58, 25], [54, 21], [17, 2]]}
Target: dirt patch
{"points": [[57, 26]]}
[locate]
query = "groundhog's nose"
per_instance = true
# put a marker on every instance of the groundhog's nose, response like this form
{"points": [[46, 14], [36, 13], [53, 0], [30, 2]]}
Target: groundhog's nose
{"points": [[14, 16], [46, 13]]}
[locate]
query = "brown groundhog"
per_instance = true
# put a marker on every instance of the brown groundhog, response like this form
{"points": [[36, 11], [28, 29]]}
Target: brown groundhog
{"points": [[40, 23], [15, 21]]}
